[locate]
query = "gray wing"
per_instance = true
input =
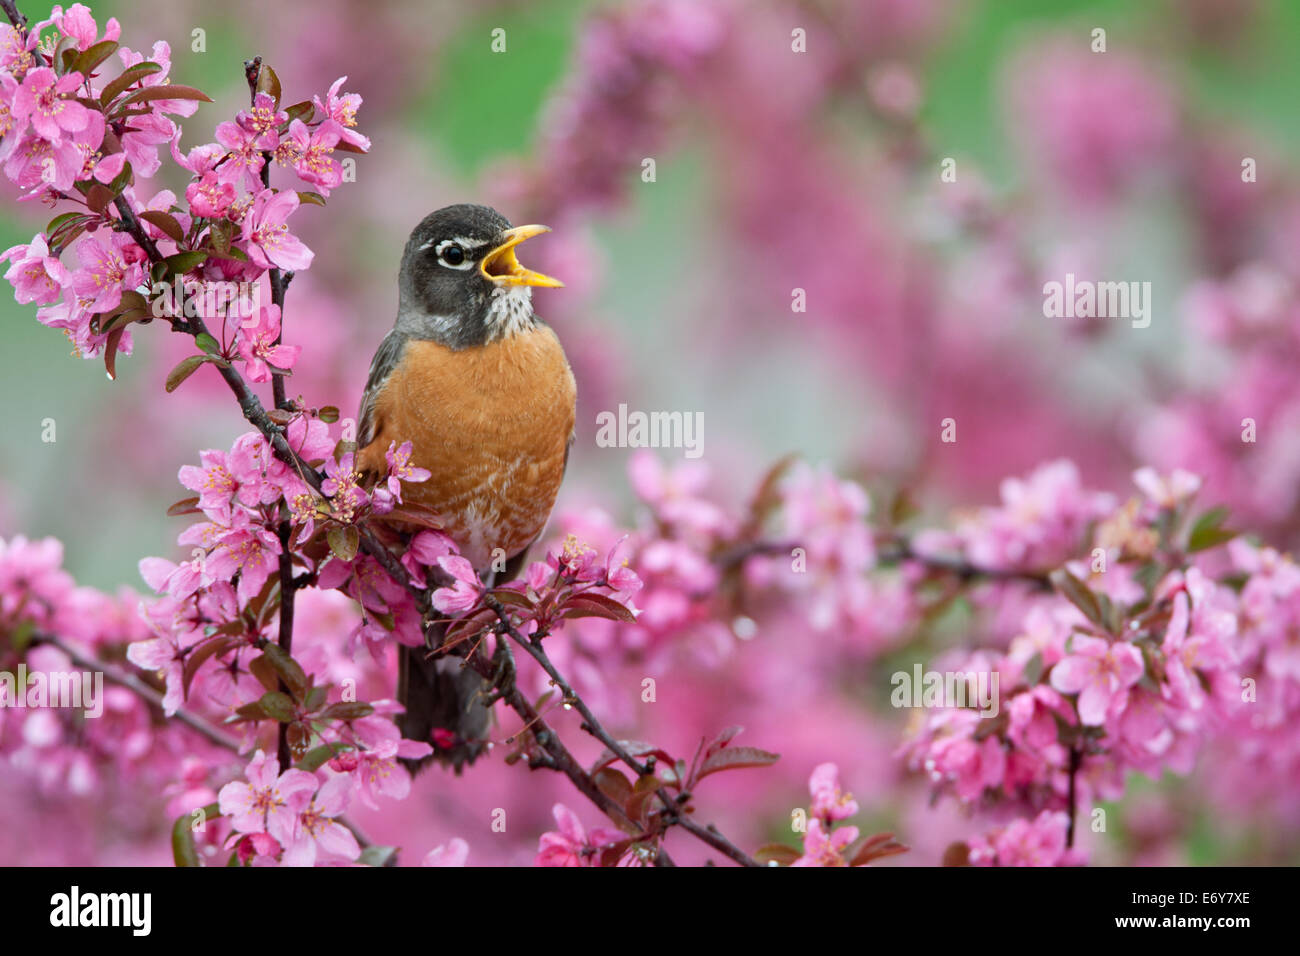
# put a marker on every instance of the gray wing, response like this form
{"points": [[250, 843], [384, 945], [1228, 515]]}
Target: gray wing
{"points": [[387, 357]]}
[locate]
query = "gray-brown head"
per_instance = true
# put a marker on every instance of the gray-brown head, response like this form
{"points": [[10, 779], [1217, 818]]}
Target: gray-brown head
{"points": [[461, 283]]}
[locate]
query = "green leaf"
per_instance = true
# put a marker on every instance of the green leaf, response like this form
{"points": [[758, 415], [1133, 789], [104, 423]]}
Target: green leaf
{"points": [[734, 758], [198, 656], [597, 605], [260, 667], [85, 64], [166, 91], [128, 77], [1033, 671], [253, 711], [300, 111], [208, 343], [186, 368], [374, 855], [318, 757], [289, 670], [1208, 531], [315, 199], [1080, 595], [277, 706], [221, 234], [59, 221], [166, 222], [98, 198], [122, 319], [614, 784], [328, 414], [511, 597], [777, 853], [347, 710], [184, 852], [316, 698], [344, 541], [183, 262], [268, 82], [110, 352], [121, 180]]}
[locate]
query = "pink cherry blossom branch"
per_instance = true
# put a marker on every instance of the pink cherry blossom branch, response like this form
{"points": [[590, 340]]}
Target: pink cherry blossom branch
{"points": [[131, 682], [901, 550], [115, 675], [284, 531], [558, 756], [671, 805], [15, 16]]}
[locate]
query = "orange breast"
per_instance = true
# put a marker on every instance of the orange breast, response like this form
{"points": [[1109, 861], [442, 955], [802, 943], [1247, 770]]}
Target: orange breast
{"points": [[492, 424]]}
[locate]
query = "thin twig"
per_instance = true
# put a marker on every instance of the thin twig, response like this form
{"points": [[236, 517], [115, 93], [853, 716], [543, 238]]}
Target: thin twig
{"points": [[142, 690], [15, 16], [1076, 758], [594, 727], [150, 696], [901, 550]]}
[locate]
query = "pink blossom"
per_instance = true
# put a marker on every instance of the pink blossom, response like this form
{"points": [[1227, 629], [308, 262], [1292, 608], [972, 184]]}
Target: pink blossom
{"points": [[38, 164], [1167, 491], [250, 551], [244, 161], [342, 110], [829, 802], [465, 590], [79, 24], [1100, 672], [571, 845], [424, 550], [258, 345], [42, 99], [269, 241], [36, 275], [313, 162], [1040, 843], [164, 656], [162, 55], [316, 831], [455, 852], [825, 848], [209, 197], [107, 269], [213, 481], [262, 121], [374, 768], [269, 801], [341, 485], [400, 468]]}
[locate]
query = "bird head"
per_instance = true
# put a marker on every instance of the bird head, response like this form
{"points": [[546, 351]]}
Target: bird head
{"points": [[461, 282]]}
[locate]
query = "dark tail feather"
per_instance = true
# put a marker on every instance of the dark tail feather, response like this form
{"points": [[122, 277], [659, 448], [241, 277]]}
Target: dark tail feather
{"points": [[441, 694]]}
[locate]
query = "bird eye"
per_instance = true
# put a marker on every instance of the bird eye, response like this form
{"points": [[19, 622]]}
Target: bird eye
{"points": [[452, 254]]}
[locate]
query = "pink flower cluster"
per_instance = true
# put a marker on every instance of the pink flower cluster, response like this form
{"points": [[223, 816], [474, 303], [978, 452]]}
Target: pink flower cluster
{"points": [[53, 745], [1132, 665], [71, 135], [1037, 842]]}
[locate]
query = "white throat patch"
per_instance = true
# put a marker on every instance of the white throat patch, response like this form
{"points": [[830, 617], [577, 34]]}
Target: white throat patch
{"points": [[511, 310]]}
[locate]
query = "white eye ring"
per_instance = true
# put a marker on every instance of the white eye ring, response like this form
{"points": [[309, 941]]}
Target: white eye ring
{"points": [[465, 264]]}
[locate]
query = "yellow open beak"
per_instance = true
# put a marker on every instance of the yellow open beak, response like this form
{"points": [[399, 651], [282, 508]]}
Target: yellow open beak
{"points": [[501, 266]]}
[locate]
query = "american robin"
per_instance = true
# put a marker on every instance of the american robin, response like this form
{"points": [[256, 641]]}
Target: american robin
{"points": [[481, 388]]}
